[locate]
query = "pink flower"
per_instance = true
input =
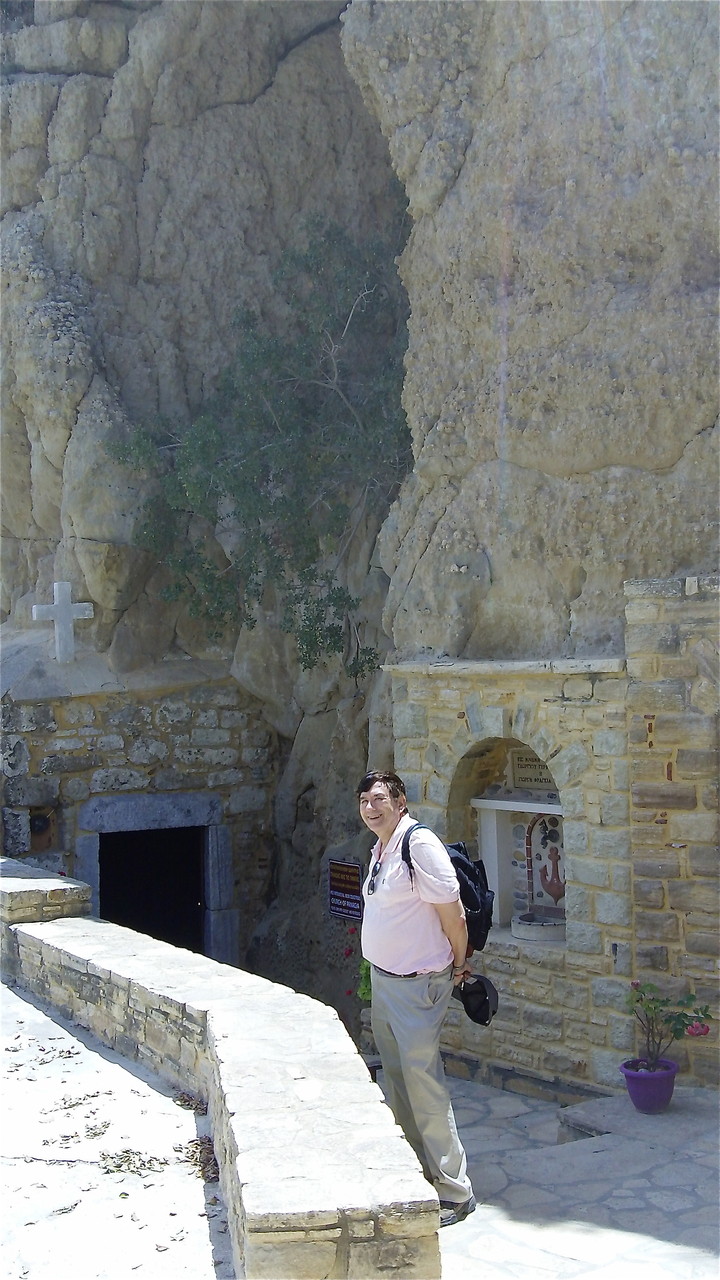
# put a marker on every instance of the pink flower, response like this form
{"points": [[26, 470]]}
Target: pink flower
{"points": [[348, 951], [352, 930], [635, 985], [698, 1029]]}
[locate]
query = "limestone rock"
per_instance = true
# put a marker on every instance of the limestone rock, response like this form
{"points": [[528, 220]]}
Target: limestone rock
{"points": [[26, 107], [96, 44], [157, 159], [146, 628], [562, 276], [381, 739], [265, 664]]}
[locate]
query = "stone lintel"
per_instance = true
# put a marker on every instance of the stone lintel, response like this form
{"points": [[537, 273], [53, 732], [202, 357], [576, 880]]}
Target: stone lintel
{"points": [[672, 588], [458, 667], [140, 812]]}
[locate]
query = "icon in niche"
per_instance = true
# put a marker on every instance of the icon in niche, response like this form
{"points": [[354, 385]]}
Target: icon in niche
{"points": [[552, 884]]}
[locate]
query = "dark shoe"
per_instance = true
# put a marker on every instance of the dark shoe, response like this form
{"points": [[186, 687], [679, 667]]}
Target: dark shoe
{"points": [[450, 1212]]}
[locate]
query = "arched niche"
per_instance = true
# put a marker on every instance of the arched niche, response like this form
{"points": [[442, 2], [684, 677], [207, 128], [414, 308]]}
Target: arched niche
{"points": [[504, 801]]}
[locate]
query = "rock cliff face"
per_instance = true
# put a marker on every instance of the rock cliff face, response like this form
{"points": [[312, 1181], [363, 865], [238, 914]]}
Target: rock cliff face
{"points": [[157, 159], [561, 388], [561, 384], [562, 271]]}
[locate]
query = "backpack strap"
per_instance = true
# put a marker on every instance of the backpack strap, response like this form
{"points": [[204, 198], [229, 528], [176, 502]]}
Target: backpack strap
{"points": [[405, 848]]}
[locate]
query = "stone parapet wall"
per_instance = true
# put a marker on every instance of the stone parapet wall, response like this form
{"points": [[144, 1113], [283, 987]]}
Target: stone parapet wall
{"points": [[317, 1178], [28, 893]]}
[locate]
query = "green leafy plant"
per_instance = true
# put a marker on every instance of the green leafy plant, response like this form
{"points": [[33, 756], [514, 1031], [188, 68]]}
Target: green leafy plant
{"points": [[663, 1020], [364, 991], [303, 440]]}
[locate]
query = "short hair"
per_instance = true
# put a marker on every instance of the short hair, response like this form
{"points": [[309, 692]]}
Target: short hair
{"points": [[394, 784]]}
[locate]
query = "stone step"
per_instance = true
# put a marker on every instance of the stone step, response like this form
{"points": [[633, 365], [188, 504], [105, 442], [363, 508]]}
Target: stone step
{"points": [[690, 1122]]}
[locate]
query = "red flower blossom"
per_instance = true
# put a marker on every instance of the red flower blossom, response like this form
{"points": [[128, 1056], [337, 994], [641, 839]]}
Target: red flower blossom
{"points": [[663, 1020], [348, 951]]}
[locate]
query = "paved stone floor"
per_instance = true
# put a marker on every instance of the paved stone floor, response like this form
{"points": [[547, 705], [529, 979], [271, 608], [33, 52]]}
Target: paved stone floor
{"points": [[639, 1201]]}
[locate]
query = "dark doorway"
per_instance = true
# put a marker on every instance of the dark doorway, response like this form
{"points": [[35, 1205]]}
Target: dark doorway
{"points": [[152, 881]]}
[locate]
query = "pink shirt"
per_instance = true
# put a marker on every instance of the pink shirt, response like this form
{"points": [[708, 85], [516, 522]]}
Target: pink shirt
{"points": [[401, 929]]}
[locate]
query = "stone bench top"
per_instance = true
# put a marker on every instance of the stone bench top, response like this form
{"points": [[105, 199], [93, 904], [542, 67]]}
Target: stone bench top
{"points": [[24, 887], [315, 1139]]}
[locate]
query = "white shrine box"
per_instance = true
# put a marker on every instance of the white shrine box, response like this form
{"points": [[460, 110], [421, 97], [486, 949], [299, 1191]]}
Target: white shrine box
{"points": [[520, 839]]}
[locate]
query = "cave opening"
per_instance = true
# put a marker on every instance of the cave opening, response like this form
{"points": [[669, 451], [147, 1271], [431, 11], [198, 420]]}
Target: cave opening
{"points": [[152, 881]]}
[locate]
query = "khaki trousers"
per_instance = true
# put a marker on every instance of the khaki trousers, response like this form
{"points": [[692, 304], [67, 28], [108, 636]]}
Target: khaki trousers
{"points": [[407, 1015]]}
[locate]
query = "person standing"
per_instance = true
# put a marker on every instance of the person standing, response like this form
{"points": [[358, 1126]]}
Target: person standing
{"points": [[414, 937]]}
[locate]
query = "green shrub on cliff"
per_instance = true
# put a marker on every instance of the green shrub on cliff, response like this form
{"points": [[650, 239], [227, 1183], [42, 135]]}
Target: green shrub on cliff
{"points": [[303, 438]]}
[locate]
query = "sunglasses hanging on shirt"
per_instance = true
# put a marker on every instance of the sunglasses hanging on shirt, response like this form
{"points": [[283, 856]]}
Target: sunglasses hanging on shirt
{"points": [[373, 877]]}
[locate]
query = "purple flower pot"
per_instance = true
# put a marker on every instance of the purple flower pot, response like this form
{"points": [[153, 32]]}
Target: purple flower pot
{"points": [[650, 1091]]}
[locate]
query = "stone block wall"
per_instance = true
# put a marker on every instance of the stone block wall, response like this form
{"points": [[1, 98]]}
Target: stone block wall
{"points": [[631, 745], [671, 642], [27, 893], [62, 754], [317, 1178]]}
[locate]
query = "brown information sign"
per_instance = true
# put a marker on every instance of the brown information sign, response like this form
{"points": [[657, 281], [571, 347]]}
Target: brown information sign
{"points": [[345, 889]]}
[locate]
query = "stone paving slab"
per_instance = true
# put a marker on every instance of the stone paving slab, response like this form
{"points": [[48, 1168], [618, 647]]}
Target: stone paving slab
{"points": [[691, 1122], [599, 1208], [66, 1100]]}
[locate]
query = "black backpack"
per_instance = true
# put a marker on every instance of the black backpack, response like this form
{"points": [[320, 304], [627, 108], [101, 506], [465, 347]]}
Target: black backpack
{"points": [[476, 897]]}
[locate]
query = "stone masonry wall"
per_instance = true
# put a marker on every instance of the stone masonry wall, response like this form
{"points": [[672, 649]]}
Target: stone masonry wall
{"points": [[333, 1189], [551, 1024], [60, 753], [632, 747], [671, 642]]}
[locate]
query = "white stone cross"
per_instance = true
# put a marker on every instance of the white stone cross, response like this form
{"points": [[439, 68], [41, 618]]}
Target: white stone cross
{"points": [[63, 613]]}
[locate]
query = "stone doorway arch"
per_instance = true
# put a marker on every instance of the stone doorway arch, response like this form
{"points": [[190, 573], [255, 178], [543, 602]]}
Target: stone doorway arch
{"points": [[130, 813]]}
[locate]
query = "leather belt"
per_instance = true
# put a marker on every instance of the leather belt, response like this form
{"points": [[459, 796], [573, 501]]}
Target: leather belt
{"points": [[386, 974]]}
